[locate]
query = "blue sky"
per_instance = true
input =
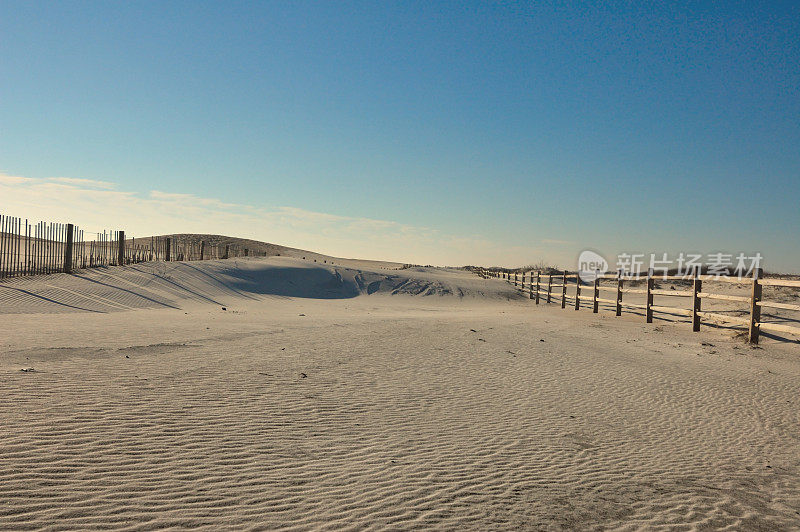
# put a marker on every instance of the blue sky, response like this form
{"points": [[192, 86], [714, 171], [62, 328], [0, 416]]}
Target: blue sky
{"points": [[482, 133]]}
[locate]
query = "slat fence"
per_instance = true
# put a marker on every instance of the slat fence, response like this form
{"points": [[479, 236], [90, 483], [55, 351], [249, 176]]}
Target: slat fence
{"points": [[41, 248]]}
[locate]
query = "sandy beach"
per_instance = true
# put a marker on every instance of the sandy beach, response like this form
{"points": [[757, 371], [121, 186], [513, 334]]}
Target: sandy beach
{"points": [[282, 394]]}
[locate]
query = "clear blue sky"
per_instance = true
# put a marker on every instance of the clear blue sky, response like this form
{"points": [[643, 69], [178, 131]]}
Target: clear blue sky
{"points": [[620, 127]]}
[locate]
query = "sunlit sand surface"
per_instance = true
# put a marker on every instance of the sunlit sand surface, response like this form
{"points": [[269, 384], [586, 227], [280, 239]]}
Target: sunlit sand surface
{"points": [[358, 397]]}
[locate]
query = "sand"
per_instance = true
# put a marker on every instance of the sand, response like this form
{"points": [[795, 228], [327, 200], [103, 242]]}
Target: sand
{"points": [[351, 398]]}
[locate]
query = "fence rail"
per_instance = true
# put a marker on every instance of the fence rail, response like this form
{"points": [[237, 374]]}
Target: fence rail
{"points": [[44, 248], [541, 287]]}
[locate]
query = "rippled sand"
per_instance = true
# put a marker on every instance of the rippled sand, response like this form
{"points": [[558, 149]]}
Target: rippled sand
{"points": [[473, 410]]}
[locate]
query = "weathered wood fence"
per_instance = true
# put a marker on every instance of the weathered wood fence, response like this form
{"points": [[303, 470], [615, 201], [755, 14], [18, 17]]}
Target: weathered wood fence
{"points": [[551, 287], [45, 248]]}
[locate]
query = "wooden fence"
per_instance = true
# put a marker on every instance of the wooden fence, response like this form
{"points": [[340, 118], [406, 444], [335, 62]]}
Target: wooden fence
{"points": [[45, 248], [551, 287]]}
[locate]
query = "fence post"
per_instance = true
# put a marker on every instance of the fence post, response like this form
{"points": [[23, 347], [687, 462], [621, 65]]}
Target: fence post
{"points": [[549, 286], [577, 290], [596, 291], [121, 250], [202, 250], [538, 278], [696, 300], [619, 292], [167, 246], [2, 246], [531, 286], [755, 308], [68, 249], [564, 290], [650, 285]]}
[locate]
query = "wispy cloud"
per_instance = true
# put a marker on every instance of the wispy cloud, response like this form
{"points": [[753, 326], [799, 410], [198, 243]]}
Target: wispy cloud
{"points": [[14, 179], [98, 205], [89, 183]]}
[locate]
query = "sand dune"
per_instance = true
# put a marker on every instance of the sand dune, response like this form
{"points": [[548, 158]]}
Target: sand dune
{"points": [[169, 285], [361, 398]]}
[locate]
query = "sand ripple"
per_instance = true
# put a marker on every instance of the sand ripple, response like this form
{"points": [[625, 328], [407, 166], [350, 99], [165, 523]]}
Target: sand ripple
{"points": [[399, 424]]}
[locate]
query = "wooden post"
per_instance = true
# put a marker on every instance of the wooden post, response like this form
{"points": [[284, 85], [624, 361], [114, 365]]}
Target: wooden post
{"points": [[619, 292], [538, 279], [515, 278], [650, 284], [121, 250], [577, 290], [564, 290], [596, 291], [531, 286], [2, 246], [68, 249], [202, 249], [549, 286], [167, 246], [698, 287], [755, 308]]}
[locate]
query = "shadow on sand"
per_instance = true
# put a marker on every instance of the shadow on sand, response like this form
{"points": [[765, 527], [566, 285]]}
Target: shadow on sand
{"points": [[310, 283], [151, 285]]}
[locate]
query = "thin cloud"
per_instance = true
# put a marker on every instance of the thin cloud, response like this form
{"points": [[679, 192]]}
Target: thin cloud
{"points": [[98, 205], [77, 181], [6, 179]]}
